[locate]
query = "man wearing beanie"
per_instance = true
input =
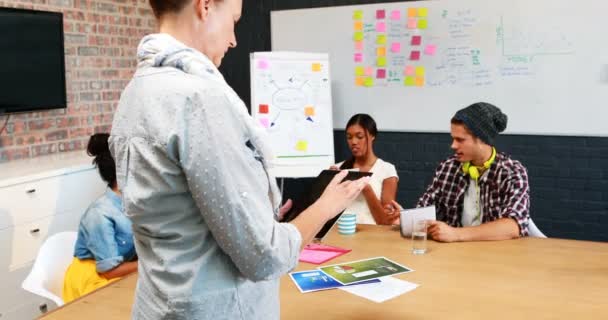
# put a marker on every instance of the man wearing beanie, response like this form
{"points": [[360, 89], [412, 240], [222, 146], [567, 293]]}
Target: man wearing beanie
{"points": [[479, 194]]}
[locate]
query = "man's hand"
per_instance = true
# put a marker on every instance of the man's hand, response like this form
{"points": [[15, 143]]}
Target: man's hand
{"points": [[283, 210], [441, 231]]}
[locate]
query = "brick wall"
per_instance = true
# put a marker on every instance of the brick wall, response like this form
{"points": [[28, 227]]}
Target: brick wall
{"points": [[100, 42]]}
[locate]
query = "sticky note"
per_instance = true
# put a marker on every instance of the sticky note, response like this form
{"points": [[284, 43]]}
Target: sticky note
{"points": [[422, 24], [415, 55], [358, 15], [359, 46], [358, 26], [381, 73], [316, 67], [420, 71], [416, 40], [309, 111], [423, 12], [369, 71], [381, 51], [396, 15], [381, 39], [359, 71], [369, 82], [381, 27], [302, 145], [263, 108], [430, 49], [359, 81], [358, 57], [409, 81], [380, 14], [263, 64], [412, 23], [358, 36], [419, 81], [396, 47], [381, 61], [411, 12], [265, 122], [409, 71]]}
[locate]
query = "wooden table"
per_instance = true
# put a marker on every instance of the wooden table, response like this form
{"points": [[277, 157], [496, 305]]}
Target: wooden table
{"points": [[528, 278]]}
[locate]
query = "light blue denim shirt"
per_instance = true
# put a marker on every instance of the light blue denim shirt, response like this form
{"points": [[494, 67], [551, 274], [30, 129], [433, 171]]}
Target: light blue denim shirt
{"points": [[198, 193], [104, 233]]}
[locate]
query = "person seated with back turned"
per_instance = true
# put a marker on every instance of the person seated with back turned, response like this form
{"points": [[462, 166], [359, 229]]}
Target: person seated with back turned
{"points": [[479, 194], [376, 203], [104, 249]]}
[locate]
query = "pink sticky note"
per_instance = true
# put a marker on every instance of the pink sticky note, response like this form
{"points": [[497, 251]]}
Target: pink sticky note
{"points": [[318, 254], [396, 47], [415, 55], [358, 57], [381, 73], [369, 71], [265, 122], [263, 64], [380, 14], [410, 70], [416, 40], [381, 27], [430, 49], [396, 15], [412, 23], [359, 46]]}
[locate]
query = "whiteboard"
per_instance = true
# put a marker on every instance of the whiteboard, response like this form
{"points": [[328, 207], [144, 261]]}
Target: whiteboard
{"points": [[543, 62], [291, 98]]}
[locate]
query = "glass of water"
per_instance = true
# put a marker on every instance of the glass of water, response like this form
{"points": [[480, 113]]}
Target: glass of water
{"points": [[419, 236]]}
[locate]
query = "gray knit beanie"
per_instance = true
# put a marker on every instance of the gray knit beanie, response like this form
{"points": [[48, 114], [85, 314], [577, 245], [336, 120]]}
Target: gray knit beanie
{"points": [[484, 120]]}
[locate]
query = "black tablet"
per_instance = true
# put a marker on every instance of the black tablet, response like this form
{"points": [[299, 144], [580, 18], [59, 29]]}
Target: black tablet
{"points": [[318, 186]]}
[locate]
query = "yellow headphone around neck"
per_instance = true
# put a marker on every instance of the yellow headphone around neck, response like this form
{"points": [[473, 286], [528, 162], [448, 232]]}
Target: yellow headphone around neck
{"points": [[473, 171]]}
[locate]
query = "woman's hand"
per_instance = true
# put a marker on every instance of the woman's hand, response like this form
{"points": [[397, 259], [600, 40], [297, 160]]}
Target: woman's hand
{"points": [[392, 211], [283, 210], [340, 194], [334, 168]]}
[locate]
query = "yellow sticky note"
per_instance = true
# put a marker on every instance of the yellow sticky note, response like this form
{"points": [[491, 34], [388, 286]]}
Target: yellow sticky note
{"points": [[358, 36], [381, 61], [422, 24], [309, 111], [419, 81], [411, 12], [420, 71], [316, 67], [369, 82], [302, 145], [359, 71], [423, 12], [359, 81], [358, 15], [409, 81], [381, 51], [358, 26], [381, 39]]}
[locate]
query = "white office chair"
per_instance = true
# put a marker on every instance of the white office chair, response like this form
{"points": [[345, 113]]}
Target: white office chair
{"points": [[533, 230], [47, 274]]}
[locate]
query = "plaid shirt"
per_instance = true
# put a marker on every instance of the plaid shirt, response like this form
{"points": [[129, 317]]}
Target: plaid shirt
{"points": [[504, 192]]}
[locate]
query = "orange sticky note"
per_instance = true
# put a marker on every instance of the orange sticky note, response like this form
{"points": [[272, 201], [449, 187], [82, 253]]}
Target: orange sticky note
{"points": [[302, 145], [316, 67], [381, 51], [419, 81], [412, 12], [358, 26], [359, 81], [309, 111]]}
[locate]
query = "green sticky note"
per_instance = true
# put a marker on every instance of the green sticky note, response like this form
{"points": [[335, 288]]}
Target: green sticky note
{"points": [[409, 81], [359, 71], [381, 39], [381, 61], [423, 12], [358, 15], [358, 36], [422, 24], [369, 82]]}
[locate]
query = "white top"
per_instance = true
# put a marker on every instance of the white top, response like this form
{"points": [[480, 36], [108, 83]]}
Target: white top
{"points": [[381, 170]]}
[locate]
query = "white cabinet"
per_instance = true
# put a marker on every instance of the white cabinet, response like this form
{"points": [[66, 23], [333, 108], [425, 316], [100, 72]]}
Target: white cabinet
{"points": [[38, 198]]}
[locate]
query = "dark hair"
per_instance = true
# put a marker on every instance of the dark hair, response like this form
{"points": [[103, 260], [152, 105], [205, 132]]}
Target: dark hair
{"points": [[161, 7], [368, 124], [98, 148]]}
